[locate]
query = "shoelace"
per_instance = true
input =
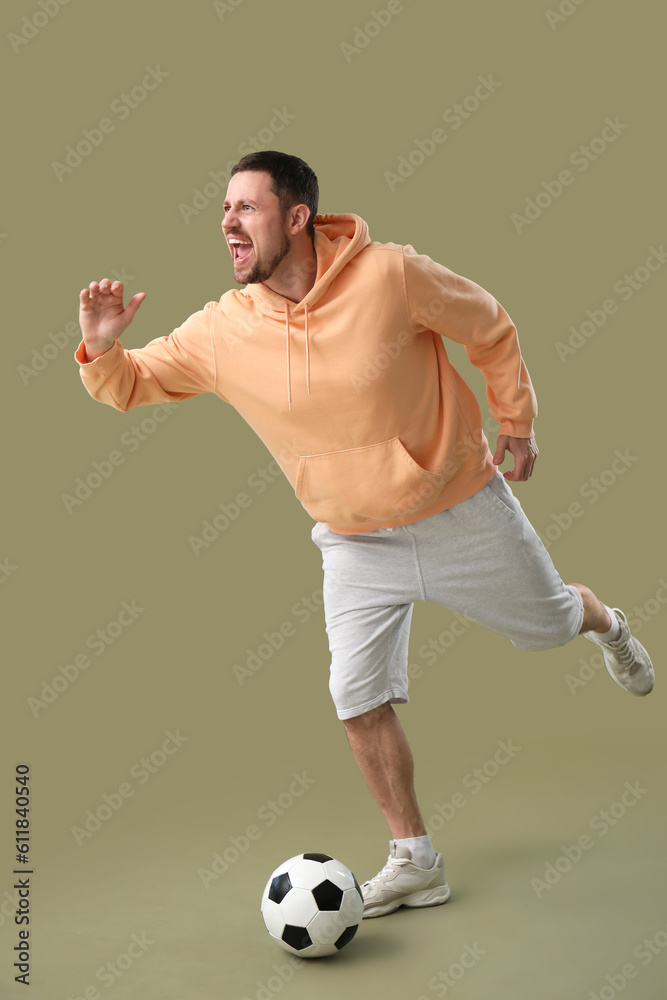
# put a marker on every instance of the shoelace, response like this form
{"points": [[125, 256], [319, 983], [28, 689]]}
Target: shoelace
{"points": [[388, 869], [624, 652]]}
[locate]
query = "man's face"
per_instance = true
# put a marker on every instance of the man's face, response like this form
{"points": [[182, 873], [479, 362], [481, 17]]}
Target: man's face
{"points": [[252, 214]]}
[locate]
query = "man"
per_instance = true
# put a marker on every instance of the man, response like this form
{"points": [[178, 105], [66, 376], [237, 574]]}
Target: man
{"points": [[333, 353]]}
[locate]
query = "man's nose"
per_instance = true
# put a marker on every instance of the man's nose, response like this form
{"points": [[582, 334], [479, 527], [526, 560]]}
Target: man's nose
{"points": [[229, 220]]}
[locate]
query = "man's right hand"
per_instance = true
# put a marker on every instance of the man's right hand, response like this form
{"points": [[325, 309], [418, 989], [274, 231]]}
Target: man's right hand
{"points": [[101, 315]]}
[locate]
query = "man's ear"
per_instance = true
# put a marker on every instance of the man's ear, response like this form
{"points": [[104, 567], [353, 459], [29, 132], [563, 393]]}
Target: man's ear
{"points": [[298, 218]]}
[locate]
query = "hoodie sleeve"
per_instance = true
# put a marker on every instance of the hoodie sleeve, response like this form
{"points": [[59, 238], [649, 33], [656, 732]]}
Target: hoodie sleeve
{"points": [[168, 369], [456, 307]]}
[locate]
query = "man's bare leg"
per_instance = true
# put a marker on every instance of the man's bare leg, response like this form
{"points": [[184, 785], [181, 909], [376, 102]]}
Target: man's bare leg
{"points": [[385, 760], [596, 619], [383, 755]]}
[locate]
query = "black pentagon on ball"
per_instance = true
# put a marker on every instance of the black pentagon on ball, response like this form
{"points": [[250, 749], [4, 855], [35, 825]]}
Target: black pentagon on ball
{"points": [[317, 857], [327, 895], [280, 886], [346, 936], [358, 887], [296, 937]]}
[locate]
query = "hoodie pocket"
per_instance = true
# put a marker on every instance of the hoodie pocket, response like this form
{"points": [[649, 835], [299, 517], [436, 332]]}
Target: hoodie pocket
{"points": [[375, 482]]}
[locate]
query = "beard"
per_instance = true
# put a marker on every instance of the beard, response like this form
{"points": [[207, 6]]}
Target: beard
{"points": [[262, 272]]}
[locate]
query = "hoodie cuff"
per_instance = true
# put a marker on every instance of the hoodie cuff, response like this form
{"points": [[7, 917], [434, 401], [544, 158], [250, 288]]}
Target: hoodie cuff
{"points": [[517, 428], [104, 364]]}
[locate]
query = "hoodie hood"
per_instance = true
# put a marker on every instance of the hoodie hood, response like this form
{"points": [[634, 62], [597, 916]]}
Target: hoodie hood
{"points": [[338, 238]]}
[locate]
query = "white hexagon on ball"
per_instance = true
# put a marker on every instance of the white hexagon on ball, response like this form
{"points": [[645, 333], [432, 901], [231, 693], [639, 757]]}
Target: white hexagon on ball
{"points": [[273, 918], [339, 874], [298, 907], [306, 874], [325, 928]]}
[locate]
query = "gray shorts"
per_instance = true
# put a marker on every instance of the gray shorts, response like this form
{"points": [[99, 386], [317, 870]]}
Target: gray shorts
{"points": [[480, 558]]}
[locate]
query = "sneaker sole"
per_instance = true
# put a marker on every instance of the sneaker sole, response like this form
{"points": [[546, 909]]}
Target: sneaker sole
{"points": [[424, 897]]}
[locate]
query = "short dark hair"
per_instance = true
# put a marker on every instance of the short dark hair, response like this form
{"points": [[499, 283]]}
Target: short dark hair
{"points": [[292, 180]]}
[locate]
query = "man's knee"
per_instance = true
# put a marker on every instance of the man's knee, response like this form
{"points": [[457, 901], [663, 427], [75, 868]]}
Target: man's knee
{"points": [[367, 719]]}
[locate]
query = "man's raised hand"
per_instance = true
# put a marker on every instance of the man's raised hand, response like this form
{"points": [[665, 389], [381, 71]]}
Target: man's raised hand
{"points": [[101, 315]]}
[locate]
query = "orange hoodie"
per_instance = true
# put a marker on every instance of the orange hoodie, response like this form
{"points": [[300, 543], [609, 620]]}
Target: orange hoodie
{"points": [[350, 389]]}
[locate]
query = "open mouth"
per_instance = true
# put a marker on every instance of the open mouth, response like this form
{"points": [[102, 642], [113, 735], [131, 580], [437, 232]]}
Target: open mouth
{"points": [[240, 250]]}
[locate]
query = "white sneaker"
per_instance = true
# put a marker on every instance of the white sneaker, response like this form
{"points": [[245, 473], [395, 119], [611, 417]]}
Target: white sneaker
{"points": [[626, 659], [403, 883]]}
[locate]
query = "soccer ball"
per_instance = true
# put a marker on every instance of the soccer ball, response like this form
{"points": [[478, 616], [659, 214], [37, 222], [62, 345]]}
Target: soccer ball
{"points": [[312, 905]]}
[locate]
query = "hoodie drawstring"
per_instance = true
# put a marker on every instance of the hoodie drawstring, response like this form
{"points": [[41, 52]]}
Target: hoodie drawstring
{"points": [[307, 354], [289, 374], [289, 381]]}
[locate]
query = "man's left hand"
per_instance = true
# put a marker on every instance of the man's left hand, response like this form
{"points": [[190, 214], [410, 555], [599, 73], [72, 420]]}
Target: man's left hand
{"points": [[525, 454]]}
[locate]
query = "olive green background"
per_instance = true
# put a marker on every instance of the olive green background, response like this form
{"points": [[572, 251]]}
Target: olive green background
{"points": [[119, 214]]}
